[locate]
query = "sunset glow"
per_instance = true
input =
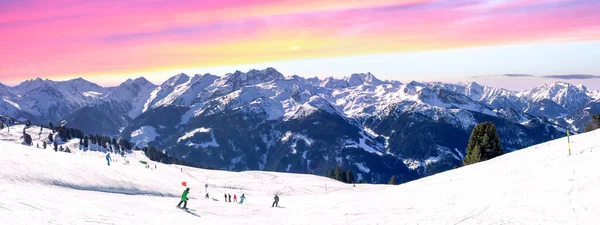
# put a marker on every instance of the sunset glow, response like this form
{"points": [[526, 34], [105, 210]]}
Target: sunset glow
{"points": [[103, 39]]}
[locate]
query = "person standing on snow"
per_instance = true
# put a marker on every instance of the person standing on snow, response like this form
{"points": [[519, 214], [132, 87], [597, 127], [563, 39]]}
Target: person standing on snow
{"points": [[184, 198], [276, 202], [234, 198], [229, 197], [242, 199], [225, 197], [108, 158]]}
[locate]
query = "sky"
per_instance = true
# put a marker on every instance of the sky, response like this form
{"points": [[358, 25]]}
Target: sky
{"points": [[442, 40]]}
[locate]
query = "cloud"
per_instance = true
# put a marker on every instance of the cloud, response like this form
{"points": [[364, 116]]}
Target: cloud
{"points": [[573, 76], [517, 75]]}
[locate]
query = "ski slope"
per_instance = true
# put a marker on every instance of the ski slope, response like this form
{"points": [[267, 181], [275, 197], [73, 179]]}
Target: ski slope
{"points": [[537, 185]]}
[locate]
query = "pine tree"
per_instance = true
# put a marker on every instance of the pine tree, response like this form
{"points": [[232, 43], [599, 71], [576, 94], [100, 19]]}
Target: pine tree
{"points": [[86, 142], [339, 173], [350, 177], [67, 150], [50, 138], [44, 145], [484, 144], [331, 174], [51, 126], [393, 180], [27, 123], [594, 123]]}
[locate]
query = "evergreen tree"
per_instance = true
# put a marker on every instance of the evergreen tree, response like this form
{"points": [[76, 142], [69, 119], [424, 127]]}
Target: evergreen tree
{"points": [[55, 147], [594, 123], [484, 144], [51, 126], [86, 142], [44, 145], [349, 177], [50, 138], [393, 180], [41, 129], [67, 150], [27, 123], [331, 174], [1, 125], [339, 173]]}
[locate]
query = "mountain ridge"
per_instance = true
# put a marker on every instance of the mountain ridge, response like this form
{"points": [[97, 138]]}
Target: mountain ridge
{"points": [[261, 119]]}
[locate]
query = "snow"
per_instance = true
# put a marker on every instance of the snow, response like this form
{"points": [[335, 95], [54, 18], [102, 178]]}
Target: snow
{"points": [[543, 185], [212, 143], [5, 99], [141, 137], [192, 133], [362, 167], [92, 94]]}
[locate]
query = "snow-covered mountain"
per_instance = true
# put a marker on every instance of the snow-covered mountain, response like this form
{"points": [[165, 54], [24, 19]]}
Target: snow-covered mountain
{"points": [[114, 111], [262, 120], [45, 101], [559, 99]]}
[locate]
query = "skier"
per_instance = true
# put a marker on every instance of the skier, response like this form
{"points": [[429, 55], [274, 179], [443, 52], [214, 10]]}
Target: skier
{"points": [[242, 199], [229, 197], [184, 199], [108, 158], [225, 197], [276, 202], [234, 198]]}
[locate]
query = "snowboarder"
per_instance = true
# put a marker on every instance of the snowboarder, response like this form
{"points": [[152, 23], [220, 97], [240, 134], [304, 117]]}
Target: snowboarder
{"points": [[108, 158], [229, 197], [276, 202], [184, 198], [234, 198], [242, 199], [225, 197]]}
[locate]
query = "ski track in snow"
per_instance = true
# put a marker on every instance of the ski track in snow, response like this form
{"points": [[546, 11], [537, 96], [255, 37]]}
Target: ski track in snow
{"points": [[541, 184]]}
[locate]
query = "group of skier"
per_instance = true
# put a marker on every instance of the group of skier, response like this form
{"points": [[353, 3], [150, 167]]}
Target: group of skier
{"points": [[227, 197]]}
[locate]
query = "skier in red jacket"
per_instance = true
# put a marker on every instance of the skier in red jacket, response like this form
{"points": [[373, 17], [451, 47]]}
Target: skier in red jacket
{"points": [[234, 198]]}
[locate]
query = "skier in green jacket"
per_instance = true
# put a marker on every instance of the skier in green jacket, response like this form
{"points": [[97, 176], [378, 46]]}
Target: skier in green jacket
{"points": [[184, 198]]}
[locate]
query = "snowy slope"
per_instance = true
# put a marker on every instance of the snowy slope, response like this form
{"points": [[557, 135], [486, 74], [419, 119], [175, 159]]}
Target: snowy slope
{"points": [[542, 185]]}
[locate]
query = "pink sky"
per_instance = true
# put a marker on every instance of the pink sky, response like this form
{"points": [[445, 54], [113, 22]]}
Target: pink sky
{"points": [[106, 40]]}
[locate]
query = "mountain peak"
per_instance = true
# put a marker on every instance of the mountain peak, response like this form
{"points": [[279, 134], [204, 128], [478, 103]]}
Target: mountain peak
{"points": [[141, 81], [255, 76], [177, 79], [362, 78]]}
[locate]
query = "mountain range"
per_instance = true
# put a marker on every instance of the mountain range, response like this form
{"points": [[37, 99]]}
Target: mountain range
{"points": [[263, 120]]}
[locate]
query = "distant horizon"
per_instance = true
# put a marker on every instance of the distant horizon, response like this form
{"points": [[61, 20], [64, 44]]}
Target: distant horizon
{"points": [[530, 81]]}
